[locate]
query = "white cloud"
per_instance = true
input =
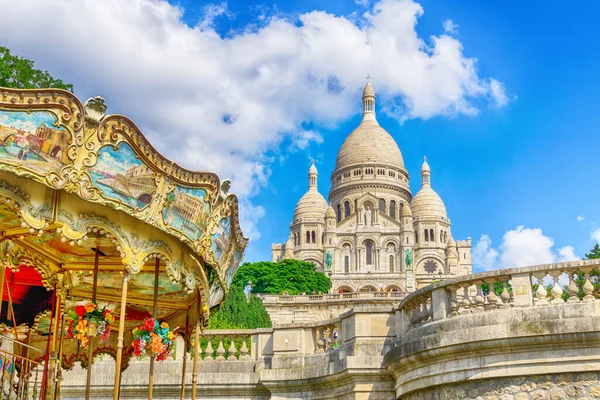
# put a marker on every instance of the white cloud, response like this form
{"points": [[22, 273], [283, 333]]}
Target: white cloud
{"points": [[580, 218], [219, 103], [596, 235], [520, 247], [567, 253], [450, 27]]}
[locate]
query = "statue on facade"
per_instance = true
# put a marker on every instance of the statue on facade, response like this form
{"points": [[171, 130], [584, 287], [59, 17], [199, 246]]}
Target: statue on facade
{"points": [[368, 217], [328, 260], [408, 260]]}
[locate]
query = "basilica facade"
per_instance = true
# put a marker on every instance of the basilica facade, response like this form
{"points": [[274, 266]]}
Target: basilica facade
{"points": [[373, 234]]}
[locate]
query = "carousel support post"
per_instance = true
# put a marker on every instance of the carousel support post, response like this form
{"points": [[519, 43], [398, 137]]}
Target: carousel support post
{"points": [[154, 311], [185, 353], [196, 348], [59, 365], [54, 327], [91, 342], [47, 361], [119, 361]]}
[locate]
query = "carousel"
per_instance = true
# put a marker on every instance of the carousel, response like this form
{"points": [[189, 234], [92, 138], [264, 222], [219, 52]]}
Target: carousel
{"points": [[106, 247]]}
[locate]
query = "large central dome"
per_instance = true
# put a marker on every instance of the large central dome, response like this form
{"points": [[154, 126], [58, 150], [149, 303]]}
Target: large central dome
{"points": [[369, 143]]}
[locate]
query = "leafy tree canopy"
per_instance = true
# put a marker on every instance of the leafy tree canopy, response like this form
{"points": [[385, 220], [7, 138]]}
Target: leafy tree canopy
{"points": [[292, 276], [238, 313], [594, 252], [18, 72]]}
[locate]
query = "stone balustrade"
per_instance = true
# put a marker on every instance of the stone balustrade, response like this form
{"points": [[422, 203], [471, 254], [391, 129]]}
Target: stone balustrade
{"points": [[269, 299], [495, 290]]}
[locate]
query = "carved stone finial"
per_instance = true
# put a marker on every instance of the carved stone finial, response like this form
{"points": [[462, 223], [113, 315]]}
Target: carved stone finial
{"points": [[95, 110]]}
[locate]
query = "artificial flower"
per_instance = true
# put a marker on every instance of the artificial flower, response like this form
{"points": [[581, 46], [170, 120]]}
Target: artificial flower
{"points": [[89, 307], [109, 317], [164, 325], [80, 311], [106, 333], [81, 326], [149, 324]]}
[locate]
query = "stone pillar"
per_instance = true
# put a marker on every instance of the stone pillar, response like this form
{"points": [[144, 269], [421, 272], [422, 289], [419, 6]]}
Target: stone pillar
{"points": [[521, 284], [440, 304]]}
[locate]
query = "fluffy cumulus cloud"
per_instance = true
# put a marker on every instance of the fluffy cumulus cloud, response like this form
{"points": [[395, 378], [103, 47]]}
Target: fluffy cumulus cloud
{"points": [[596, 235], [220, 102], [520, 247]]}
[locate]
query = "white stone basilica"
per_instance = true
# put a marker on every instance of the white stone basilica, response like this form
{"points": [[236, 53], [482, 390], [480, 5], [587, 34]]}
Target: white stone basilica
{"points": [[375, 235]]}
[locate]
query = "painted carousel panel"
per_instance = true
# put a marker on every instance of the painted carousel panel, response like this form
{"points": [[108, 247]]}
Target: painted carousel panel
{"points": [[121, 175], [33, 140], [187, 210]]}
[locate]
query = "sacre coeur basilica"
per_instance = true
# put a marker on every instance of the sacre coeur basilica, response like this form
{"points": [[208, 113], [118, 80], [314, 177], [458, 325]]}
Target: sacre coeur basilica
{"points": [[374, 235]]}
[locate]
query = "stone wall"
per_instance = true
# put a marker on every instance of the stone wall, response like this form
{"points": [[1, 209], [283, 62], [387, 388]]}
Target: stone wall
{"points": [[539, 387]]}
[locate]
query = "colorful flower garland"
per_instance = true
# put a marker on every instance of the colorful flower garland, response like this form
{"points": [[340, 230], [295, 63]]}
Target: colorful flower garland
{"points": [[89, 321], [154, 339]]}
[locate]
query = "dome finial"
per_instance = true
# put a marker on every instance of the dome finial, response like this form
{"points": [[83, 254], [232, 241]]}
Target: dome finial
{"points": [[312, 175], [368, 101], [425, 172]]}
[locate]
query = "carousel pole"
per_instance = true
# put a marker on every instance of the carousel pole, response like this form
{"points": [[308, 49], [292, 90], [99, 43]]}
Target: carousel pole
{"points": [[45, 373], [59, 366], [117, 388], [196, 348], [185, 353], [154, 311], [54, 327], [91, 342]]}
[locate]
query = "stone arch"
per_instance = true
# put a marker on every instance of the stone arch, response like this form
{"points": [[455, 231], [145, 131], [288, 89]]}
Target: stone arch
{"points": [[345, 285], [317, 263], [389, 241], [347, 208], [392, 287], [346, 242], [369, 287]]}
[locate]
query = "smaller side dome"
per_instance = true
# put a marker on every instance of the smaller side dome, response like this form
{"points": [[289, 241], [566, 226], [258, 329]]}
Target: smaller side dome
{"points": [[330, 213], [406, 212], [427, 203], [312, 204]]}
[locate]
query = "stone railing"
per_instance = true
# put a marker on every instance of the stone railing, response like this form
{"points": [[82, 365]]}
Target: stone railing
{"points": [[332, 297], [234, 344], [519, 287]]}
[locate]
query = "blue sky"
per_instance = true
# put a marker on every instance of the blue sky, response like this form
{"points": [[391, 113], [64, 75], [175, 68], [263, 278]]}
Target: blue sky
{"points": [[231, 88]]}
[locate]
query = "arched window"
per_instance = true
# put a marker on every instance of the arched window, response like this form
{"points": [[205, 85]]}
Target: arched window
{"points": [[416, 237], [382, 205], [346, 209], [322, 238], [442, 236], [426, 235], [355, 204], [391, 263], [369, 252], [346, 264], [307, 237], [431, 237], [313, 236], [407, 240], [339, 213], [393, 209], [295, 240]]}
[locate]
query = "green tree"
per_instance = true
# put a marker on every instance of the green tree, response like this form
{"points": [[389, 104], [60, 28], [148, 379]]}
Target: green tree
{"points": [[18, 72], [238, 313], [594, 253], [292, 276]]}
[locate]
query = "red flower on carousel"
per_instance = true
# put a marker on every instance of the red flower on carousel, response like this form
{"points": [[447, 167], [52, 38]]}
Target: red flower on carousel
{"points": [[162, 356], [80, 311], [137, 348], [106, 333], [149, 324]]}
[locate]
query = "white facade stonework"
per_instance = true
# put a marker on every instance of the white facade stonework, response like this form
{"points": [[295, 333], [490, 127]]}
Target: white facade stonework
{"points": [[372, 224]]}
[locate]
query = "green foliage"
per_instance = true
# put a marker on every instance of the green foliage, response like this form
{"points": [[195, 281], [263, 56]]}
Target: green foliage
{"points": [[291, 276], [18, 72], [498, 288], [237, 313], [594, 252]]}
